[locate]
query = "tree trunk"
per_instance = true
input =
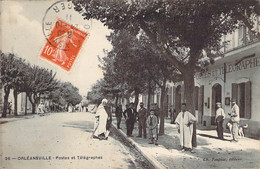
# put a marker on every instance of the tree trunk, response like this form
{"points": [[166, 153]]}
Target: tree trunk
{"points": [[136, 99], [162, 113], [33, 108], [33, 103], [15, 102], [25, 111], [7, 91], [149, 97], [116, 102], [188, 78]]}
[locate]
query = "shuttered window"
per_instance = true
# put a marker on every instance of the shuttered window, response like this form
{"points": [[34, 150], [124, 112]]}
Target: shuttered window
{"points": [[234, 91], [248, 99], [242, 94], [196, 98], [201, 103]]}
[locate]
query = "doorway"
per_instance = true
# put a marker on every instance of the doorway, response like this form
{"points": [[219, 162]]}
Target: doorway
{"points": [[216, 97]]}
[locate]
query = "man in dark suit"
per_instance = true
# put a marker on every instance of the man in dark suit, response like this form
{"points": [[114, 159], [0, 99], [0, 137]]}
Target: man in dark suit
{"points": [[142, 116], [130, 116], [118, 113]]}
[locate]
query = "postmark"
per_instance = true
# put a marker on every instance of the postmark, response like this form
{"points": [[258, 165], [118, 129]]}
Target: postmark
{"points": [[65, 11], [63, 44], [65, 30]]}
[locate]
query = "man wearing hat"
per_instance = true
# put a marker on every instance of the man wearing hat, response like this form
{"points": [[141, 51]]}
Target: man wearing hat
{"points": [[142, 116], [220, 116], [130, 115], [119, 113], [234, 120]]}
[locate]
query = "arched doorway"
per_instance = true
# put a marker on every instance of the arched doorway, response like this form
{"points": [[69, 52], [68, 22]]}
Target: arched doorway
{"points": [[216, 97], [178, 99]]}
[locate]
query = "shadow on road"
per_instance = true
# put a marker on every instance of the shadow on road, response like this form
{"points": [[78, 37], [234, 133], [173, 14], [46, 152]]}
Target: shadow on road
{"points": [[86, 126]]}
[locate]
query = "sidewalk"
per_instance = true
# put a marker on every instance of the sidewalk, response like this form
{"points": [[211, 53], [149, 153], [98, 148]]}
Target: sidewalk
{"points": [[210, 152]]}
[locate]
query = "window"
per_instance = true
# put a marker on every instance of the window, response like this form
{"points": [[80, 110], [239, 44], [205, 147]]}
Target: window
{"points": [[241, 99], [242, 93], [241, 35]]}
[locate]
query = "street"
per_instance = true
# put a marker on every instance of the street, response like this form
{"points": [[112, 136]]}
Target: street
{"points": [[61, 140]]}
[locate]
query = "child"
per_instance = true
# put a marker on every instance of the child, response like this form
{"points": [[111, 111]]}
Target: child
{"points": [[152, 123]]}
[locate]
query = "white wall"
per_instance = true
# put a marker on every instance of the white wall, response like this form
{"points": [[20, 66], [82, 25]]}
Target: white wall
{"points": [[250, 73]]}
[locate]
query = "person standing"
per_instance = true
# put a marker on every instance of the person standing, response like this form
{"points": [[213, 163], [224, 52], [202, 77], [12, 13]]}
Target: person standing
{"points": [[142, 115], [119, 113], [220, 116], [185, 122], [9, 107], [109, 117], [235, 118], [130, 116], [100, 131], [152, 123], [156, 110], [70, 108], [41, 108]]}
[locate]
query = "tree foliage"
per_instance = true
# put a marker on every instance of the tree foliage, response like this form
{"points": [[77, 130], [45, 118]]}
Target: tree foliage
{"points": [[20, 76], [11, 75]]}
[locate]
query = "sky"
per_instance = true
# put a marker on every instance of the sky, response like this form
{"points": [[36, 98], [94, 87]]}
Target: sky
{"points": [[21, 32]]}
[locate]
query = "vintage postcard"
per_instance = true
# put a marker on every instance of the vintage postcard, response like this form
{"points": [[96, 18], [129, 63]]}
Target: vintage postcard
{"points": [[114, 84]]}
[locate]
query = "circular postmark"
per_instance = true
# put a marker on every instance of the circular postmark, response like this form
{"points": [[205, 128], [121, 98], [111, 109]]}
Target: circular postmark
{"points": [[65, 11]]}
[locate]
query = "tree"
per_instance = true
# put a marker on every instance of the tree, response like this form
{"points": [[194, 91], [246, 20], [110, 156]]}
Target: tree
{"points": [[71, 93], [20, 85], [96, 94], [113, 85], [56, 96], [159, 71], [139, 65], [40, 80], [134, 64], [11, 76], [181, 30], [127, 64]]}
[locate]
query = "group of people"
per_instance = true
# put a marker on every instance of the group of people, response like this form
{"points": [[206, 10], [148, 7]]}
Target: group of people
{"points": [[234, 120], [144, 118], [150, 120]]}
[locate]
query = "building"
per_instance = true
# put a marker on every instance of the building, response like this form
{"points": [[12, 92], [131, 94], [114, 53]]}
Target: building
{"points": [[233, 76], [236, 76]]}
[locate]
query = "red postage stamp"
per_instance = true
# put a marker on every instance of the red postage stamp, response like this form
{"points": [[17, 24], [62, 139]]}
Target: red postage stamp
{"points": [[63, 44]]}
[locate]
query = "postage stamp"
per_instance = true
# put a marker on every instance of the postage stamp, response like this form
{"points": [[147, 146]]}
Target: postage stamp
{"points": [[63, 44]]}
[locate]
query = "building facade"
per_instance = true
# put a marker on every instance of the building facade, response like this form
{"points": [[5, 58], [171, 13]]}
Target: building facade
{"points": [[236, 75]]}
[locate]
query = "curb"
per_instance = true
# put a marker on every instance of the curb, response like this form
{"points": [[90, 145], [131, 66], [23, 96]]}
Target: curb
{"points": [[156, 164]]}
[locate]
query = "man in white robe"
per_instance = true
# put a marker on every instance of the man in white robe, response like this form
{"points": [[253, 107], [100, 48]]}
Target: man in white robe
{"points": [[185, 122], [100, 127]]}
